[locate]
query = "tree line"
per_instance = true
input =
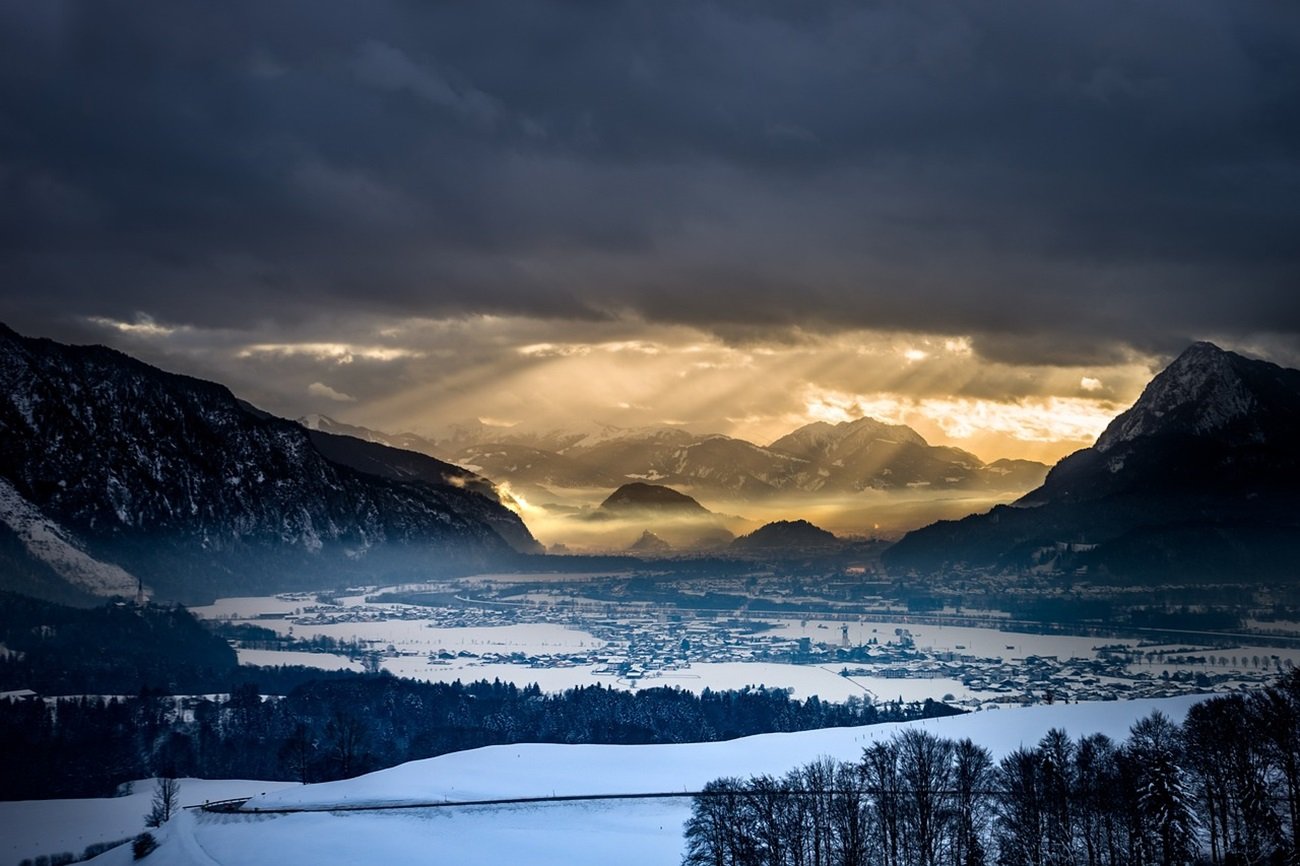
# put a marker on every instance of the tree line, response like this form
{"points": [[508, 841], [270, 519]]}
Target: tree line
{"points": [[115, 648], [1222, 788], [346, 724]]}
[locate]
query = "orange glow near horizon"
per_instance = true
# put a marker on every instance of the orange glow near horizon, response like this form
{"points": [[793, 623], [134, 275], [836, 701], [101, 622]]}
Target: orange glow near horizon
{"points": [[677, 376]]}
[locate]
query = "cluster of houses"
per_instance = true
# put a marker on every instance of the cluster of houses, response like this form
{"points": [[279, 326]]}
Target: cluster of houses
{"points": [[639, 643]]}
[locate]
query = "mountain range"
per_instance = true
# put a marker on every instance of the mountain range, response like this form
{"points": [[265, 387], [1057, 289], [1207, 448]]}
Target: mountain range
{"points": [[1198, 479], [848, 457], [113, 472]]}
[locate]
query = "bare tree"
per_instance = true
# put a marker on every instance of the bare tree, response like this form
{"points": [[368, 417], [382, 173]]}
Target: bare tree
{"points": [[818, 778], [767, 799], [1020, 809], [716, 834], [972, 777], [925, 766], [880, 772], [346, 735], [166, 796], [849, 816], [1275, 718], [298, 752], [1094, 800]]}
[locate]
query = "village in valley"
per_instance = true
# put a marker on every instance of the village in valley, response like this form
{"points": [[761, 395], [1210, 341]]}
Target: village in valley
{"points": [[565, 634]]}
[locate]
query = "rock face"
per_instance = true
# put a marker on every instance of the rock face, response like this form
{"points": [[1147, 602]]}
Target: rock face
{"points": [[649, 543], [1196, 479], [197, 493], [396, 464]]}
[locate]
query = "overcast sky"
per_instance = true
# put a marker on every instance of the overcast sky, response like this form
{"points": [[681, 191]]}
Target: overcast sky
{"points": [[991, 220]]}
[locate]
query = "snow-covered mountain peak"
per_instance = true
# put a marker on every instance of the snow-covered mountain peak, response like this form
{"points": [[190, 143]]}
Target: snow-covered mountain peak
{"points": [[1202, 391], [821, 437]]}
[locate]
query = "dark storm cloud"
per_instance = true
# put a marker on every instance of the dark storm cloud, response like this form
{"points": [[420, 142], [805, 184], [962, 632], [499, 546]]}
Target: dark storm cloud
{"points": [[1058, 180]]}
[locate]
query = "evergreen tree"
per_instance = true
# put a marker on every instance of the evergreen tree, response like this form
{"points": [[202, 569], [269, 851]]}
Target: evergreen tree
{"points": [[1164, 798], [1057, 783]]}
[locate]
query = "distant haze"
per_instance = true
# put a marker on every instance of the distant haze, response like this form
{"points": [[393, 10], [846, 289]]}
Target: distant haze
{"points": [[872, 514]]}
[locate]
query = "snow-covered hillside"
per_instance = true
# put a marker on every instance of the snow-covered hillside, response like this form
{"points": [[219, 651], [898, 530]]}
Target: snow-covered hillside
{"points": [[50, 543], [32, 828], [627, 832]]}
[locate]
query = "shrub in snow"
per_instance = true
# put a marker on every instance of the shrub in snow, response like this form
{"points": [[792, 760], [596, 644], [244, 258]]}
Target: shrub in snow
{"points": [[97, 848], [143, 845]]}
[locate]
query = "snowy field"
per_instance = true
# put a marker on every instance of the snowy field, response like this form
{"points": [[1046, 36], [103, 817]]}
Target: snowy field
{"points": [[248, 607], [629, 832], [323, 661], [420, 636], [803, 681], [31, 828]]}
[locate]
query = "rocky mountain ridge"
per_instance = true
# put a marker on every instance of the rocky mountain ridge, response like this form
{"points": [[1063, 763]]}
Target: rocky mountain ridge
{"points": [[1197, 479], [185, 487], [818, 458]]}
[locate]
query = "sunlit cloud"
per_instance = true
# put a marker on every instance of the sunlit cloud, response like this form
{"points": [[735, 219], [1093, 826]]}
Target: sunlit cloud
{"points": [[338, 353], [836, 408], [552, 350], [1053, 419], [958, 346], [569, 350], [1043, 419], [431, 376], [641, 347], [320, 389], [143, 326]]}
